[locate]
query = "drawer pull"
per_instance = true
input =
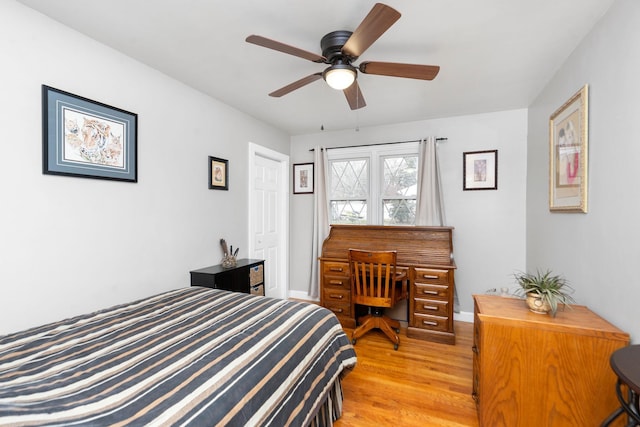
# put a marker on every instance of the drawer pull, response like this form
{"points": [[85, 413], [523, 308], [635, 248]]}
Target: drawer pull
{"points": [[430, 307], [338, 269], [336, 296], [428, 292], [474, 349], [337, 310], [336, 282], [429, 323], [429, 276]]}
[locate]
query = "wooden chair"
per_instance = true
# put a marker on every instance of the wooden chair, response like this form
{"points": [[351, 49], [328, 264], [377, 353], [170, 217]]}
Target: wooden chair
{"points": [[376, 283]]}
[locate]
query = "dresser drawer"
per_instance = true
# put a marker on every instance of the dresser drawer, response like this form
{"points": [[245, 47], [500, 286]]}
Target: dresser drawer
{"points": [[432, 276], [434, 323], [335, 268], [423, 290], [431, 307]]}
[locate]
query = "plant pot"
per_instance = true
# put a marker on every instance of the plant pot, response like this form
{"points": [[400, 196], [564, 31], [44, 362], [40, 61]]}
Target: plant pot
{"points": [[537, 304]]}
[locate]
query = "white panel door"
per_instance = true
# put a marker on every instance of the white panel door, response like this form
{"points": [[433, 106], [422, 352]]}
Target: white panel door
{"points": [[268, 221]]}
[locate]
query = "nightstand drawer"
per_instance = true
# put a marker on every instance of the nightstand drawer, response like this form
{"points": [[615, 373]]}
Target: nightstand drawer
{"points": [[431, 307], [432, 276]]}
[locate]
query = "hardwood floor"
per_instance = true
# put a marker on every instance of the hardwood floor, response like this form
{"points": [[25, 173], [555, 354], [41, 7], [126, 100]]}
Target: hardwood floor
{"points": [[420, 384]]}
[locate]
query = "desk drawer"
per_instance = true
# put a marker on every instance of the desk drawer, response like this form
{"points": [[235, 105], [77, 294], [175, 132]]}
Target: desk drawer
{"points": [[432, 276], [434, 323], [335, 268], [337, 282], [423, 290], [431, 307], [337, 294], [339, 308]]}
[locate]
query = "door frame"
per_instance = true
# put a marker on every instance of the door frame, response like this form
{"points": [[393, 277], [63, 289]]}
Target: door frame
{"points": [[256, 150]]}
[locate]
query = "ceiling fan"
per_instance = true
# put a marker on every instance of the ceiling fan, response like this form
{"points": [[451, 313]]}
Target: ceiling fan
{"points": [[341, 48]]}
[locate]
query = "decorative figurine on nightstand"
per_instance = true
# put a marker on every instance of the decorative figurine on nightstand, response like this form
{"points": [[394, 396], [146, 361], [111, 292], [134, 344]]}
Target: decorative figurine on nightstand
{"points": [[229, 259]]}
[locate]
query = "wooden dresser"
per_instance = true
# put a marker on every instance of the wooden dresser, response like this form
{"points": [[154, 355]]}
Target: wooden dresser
{"points": [[535, 370], [426, 253]]}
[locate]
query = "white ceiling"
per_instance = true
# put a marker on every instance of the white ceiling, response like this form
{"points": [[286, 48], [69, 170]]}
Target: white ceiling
{"points": [[494, 54]]}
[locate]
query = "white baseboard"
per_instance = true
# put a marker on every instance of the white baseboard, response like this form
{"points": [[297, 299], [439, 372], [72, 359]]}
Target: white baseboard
{"points": [[302, 295], [463, 316]]}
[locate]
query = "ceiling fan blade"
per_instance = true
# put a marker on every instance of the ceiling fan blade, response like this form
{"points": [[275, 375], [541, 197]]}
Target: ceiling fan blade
{"points": [[380, 19], [296, 85], [410, 71], [285, 48], [354, 96]]}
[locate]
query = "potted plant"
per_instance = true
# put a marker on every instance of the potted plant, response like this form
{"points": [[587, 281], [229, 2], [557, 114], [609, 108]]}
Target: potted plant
{"points": [[544, 291]]}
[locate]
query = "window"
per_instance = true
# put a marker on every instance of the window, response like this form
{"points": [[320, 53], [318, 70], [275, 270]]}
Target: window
{"points": [[374, 184]]}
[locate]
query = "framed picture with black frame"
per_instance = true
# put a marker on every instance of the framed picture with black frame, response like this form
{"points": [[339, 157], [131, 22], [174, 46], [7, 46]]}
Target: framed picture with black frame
{"points": [[480, 170], [86, 138], [303, 178], [218, 173]]}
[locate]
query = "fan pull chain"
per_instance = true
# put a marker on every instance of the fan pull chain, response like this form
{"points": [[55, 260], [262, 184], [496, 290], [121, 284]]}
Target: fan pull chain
{"points": [[358, 109]]}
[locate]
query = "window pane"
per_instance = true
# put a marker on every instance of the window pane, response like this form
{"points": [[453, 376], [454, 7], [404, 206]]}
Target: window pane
{"points": [[349, 179], [348, 212], [400, 176], [399, 211]]}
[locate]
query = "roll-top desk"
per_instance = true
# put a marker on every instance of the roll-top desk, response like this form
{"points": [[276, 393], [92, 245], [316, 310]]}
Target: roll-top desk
{"points": [[426, 253]]}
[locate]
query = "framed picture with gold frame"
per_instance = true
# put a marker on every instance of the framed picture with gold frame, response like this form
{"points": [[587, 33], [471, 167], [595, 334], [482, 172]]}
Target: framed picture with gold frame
{"points": [[568, 154]]}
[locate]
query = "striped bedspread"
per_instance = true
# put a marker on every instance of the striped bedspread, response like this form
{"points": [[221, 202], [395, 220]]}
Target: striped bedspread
{"points": [[191, 356]]}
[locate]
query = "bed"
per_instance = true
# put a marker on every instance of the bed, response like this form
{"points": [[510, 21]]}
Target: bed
{"points": [[191, 356]]}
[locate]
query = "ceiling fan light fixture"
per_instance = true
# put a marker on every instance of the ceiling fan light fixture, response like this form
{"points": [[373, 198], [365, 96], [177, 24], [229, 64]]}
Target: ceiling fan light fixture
{"points": [[339, 76]]}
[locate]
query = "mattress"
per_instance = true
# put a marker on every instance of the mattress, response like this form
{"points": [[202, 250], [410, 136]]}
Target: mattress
{"points": [[191, 356]]}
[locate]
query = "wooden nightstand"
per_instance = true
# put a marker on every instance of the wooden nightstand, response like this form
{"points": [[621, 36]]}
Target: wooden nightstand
{"points": [[247, 276]]}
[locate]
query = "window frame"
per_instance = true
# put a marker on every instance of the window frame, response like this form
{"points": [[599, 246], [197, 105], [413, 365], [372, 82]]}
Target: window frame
{"points": [[375, 154]]}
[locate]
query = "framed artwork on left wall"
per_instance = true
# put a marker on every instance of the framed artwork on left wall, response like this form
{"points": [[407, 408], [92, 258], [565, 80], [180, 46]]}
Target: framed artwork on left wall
{"points": [[87, 139], [218, 173]]}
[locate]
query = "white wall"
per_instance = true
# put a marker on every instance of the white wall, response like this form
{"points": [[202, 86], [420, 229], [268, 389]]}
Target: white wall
{"points": [[489, 225], [598, 252], [71, 245]]}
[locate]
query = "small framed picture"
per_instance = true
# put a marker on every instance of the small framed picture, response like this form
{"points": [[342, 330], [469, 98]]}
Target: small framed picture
{"points": [[303, 178], [218, 173], [568, 155], [480, 170], [88, 139]]}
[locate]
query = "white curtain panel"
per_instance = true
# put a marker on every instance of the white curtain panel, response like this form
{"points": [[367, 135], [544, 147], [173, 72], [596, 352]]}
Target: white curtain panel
{"points": [[430, 203], [320, 216]]}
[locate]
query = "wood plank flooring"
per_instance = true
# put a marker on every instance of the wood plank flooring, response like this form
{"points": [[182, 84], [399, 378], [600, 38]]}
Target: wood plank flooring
{"points": [[421, 384]]}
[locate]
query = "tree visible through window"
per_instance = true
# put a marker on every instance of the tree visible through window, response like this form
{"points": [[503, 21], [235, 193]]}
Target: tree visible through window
{"points": [[399, 190], [376, 186]]}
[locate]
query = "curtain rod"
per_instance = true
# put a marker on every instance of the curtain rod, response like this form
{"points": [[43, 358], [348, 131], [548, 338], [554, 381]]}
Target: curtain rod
{"points": [[379, 143]]}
